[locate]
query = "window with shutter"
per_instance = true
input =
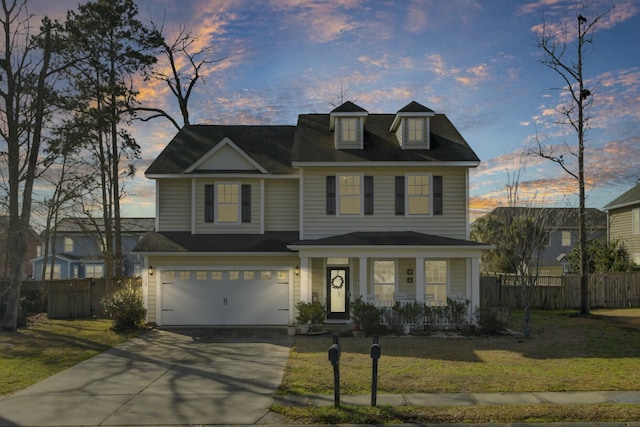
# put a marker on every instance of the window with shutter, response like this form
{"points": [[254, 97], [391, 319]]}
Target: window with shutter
{"points": [[368, 195], [331, 195], [399, 195], [208, 203], [246, 203], [437, 195]]}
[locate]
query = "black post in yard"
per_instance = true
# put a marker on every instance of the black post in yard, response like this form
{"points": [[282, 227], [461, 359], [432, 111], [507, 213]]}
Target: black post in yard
{"points": [[375, 355], [334, 358]]}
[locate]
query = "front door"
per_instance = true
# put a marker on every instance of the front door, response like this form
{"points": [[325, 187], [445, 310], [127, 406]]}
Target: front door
{"points": [[338, 293]]}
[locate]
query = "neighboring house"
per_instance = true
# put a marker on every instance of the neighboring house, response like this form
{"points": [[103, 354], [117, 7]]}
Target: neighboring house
{"points": [[79, 248], [563, 234], [33, 245], [624, 221], [252, 219]]}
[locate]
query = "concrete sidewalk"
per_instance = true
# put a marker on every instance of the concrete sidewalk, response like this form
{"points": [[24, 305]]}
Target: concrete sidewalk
{"points": [[466, 399]]}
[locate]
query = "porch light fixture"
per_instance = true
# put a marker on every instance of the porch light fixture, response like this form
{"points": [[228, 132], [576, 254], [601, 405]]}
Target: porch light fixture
{"points": [[151, 270], [297, 270]]}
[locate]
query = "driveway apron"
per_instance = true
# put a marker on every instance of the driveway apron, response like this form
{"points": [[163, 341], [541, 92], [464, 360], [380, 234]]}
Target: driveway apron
{"points": [[176, 376]]}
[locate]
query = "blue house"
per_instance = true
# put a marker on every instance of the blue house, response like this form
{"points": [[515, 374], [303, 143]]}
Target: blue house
{"points": [[79, 248]]}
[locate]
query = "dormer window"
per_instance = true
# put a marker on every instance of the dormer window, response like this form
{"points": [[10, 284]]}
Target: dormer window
{"points": [[347, 123], [415, 130], [348, 129], [411, 126]]}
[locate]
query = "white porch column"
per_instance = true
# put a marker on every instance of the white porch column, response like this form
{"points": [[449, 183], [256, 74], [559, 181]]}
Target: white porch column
{"points": [[305, 280], [364, 277], [420, 280], [473, 282]]}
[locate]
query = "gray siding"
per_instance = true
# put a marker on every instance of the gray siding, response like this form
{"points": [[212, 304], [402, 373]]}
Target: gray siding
{"points": [[281, 205], [620, 228], [174, 204], [458, 272], [317, 224]]}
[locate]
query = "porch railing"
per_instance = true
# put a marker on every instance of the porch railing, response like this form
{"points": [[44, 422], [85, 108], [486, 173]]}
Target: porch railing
{"points": [[410, 313]]}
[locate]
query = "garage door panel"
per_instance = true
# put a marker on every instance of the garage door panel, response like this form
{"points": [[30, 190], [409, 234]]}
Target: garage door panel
{"points": [[190, 304], [231, 298]]}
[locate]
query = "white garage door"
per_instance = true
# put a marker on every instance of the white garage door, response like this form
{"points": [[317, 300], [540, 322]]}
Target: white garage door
{"points": [[238, 297]]}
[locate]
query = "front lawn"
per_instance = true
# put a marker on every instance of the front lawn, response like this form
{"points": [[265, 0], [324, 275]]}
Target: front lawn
{"points": [[565, 353], [46, 348]]}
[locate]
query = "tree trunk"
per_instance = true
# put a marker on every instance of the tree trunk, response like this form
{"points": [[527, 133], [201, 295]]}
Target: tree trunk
{"points": [[584, 278]]}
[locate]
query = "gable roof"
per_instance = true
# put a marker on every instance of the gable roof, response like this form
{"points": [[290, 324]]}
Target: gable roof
{"points": [[314, 142], [628, 198], [268, 146]]}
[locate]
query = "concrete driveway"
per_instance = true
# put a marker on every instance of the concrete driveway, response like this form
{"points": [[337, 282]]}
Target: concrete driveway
{"points": [[165, 377]]}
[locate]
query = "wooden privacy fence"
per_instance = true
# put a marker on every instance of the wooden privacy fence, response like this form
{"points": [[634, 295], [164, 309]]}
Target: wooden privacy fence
{"points": [[606, 290], [77, 298]]}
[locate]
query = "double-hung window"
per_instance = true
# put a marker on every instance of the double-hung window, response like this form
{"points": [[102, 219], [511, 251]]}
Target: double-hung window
{"points": [[68, 245], [435, 288], [349, 194], [348, 129], [227, 203], [635, 221], [418, 195], [415, 130], [566, 238], [384, 279]]}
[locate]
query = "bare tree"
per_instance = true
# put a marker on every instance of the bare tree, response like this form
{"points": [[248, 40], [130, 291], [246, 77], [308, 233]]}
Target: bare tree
{"points": [[519, 233], [574, 113], [25, 67], [186, 63]]}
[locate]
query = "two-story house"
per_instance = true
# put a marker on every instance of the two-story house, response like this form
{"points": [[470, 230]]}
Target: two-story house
{"points": [[79, 248], [252, 219], [623, 217], [561, 226]]}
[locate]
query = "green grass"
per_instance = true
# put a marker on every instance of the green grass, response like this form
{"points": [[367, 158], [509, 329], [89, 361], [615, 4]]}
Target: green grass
{"points": [[565, 353], [465, 414], [35, 353]]}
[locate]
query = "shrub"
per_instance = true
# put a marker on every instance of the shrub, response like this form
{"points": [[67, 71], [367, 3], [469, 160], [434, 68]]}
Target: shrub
{"points": [[125, 308], [367, 317], [454, 314], [310, 312], [492, 320]]}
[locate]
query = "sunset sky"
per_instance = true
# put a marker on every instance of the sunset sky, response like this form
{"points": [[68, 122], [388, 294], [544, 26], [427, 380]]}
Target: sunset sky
{"points": [[476, 61]]}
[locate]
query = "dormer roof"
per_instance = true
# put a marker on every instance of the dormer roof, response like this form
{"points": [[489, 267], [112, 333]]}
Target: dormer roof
{"points": [[348, 109], [415, 107], [412, 109]]}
